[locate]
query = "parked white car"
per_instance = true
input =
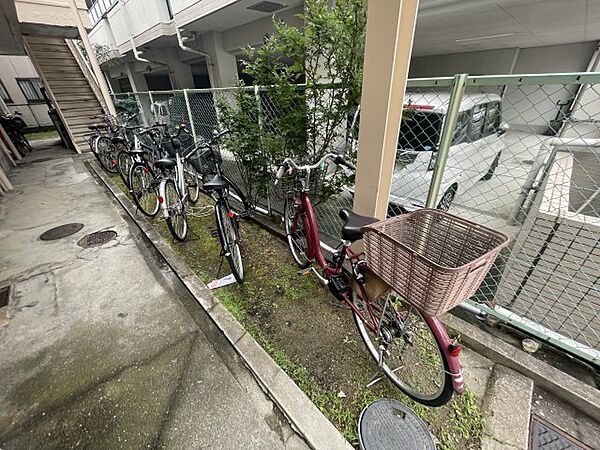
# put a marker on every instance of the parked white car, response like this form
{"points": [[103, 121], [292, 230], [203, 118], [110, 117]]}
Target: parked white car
{"points": [[473, 156]]}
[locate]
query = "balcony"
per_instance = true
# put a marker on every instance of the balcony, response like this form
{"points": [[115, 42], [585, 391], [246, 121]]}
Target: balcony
{"points": [[99, 9]]}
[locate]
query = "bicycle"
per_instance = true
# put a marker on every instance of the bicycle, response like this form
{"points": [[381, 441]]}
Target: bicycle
{"points": [[107, 138], [173, 195], [15, 128], [411, 347], [209, 163], [143, 181]]}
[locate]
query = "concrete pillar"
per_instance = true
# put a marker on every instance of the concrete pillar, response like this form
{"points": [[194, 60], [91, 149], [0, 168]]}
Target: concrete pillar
{"points": [[181, 73], [388, 46], [136, 79], [223, 67]]}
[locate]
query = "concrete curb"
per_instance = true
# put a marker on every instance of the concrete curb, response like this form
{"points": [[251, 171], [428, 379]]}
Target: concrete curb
{"points": [[567, 388], [299, 410], [506, 409]]}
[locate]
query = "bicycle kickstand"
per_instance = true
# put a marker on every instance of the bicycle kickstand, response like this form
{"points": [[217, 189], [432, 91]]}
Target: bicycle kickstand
{"points": [[220, 265], [376, 377]]}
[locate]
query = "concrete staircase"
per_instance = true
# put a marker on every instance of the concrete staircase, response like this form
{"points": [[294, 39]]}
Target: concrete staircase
{"points": [[69, 83]]}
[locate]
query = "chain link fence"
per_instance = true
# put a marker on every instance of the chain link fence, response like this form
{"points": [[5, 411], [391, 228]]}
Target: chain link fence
{"points": [[523, 158]]}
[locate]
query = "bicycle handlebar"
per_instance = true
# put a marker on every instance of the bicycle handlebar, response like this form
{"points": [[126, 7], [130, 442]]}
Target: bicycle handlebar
{"points": [[290, 163]]}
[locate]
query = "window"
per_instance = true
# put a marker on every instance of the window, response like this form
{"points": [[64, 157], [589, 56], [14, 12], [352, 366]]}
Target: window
{"points": [[420, 132], [477, 122], [124, 85], [4, 93], [32, 89], [158, 82], [462, 128], [492, 118]]}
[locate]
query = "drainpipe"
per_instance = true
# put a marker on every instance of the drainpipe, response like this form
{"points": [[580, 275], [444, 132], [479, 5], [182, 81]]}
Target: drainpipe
{"points": [[181, 41], [137, 53], [92, 57]]}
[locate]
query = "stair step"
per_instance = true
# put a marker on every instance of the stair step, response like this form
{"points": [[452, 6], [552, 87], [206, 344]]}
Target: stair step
{"points": [[44, 40], [81, 112], [63, 82], [78, 90], [71, 97]]}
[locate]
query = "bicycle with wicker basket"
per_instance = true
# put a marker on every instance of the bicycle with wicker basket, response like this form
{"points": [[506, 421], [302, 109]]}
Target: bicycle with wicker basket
{"points": [[414, 268]]}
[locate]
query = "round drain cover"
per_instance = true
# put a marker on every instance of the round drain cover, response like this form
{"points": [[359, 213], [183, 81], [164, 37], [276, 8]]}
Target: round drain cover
{"points": [[96, 239], [60, 232], [385, 423]]}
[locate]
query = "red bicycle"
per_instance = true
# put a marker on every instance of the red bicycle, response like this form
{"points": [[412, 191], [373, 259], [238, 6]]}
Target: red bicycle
{"points": [[412, 348]]}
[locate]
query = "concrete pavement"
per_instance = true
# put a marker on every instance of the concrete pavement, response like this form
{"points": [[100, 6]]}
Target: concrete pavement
{"points": [[102, 348]]}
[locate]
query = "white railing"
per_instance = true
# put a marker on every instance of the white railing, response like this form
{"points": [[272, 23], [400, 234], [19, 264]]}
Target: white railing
{"points": [[99, 9]]}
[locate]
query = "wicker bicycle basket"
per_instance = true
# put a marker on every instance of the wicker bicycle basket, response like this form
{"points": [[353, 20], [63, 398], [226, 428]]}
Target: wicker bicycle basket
{"points": [[433, 259]]}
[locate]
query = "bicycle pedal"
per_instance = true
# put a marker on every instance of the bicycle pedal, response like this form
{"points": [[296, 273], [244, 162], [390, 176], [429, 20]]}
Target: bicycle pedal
{"points": [[214, 233], [244, 214]]}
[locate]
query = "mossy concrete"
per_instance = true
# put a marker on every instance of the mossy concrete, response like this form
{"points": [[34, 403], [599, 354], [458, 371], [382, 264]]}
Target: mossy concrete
{"points": [[100, 349]]}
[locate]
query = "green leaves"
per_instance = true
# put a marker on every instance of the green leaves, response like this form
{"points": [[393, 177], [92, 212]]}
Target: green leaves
{"points": [[310, 80]]}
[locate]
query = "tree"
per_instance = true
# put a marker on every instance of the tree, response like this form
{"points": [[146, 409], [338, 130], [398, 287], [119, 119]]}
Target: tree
{"points": [[310, 80]]}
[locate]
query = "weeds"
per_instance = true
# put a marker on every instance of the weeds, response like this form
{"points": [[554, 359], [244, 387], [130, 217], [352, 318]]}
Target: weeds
{"points": [[272, 290]]}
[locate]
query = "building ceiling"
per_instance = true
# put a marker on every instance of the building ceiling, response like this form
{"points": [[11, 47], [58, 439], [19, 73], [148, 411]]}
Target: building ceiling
{"points": [[237, 14], [456, 26]]}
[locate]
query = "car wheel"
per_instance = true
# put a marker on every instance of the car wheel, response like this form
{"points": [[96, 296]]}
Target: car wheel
{"points": [[447, 199], [492, 169]]}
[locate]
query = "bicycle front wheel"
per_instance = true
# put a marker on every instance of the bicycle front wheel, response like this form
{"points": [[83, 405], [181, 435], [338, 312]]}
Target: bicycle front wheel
{"points": [[144, 188], [229, 236], [404, 346], [295, 231], [124, 163], [192, 183], [176, 220]]}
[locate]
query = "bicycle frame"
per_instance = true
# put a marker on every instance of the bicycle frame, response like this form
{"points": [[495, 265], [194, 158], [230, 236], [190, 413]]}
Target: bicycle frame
{"points": [[303, 205], [179, 180]]}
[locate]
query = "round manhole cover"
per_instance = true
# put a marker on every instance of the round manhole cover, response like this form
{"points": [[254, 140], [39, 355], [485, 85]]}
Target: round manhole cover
{"points": [[60, 232], [385, 423], [96, 239]]}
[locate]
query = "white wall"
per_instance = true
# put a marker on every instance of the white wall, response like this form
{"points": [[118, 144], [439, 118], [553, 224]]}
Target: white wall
{"points": [[51, 12], [102, 34], [11, 67], [143, 15], [253, 33]]}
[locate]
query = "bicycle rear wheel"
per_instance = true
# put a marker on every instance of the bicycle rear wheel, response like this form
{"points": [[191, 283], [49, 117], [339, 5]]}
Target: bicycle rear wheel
{"points": [[229, 236], [144, 188], [412, 360], [176, 220], [106, 154], [295, 231]]}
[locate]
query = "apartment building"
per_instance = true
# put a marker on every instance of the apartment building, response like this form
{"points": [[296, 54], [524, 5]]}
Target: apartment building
{"points": [[170, 44], [20, 89], [174, 44]]}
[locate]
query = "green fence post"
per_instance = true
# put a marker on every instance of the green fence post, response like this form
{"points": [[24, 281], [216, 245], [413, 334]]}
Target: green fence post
{"points": [[261, 129], [458, 89]]}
